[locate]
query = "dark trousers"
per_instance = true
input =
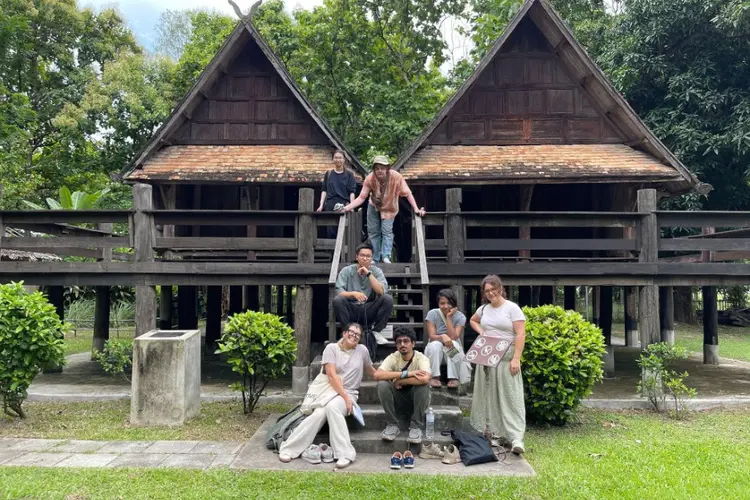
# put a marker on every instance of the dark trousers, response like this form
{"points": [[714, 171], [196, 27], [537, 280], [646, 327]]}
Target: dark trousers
{"points": [[373, 314], [409, 403]]}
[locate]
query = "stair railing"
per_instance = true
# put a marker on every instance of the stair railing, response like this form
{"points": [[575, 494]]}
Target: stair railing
{"points": [[420, 247], [335, 263]]}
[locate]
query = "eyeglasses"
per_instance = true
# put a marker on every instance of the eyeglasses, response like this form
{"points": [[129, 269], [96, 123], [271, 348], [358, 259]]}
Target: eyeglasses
{"points": [[491, 291], [363, 256], [403, 341], [353, 333]]}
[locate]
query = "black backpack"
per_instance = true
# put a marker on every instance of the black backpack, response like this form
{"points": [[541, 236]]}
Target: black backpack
{"points": [[368, 339]]}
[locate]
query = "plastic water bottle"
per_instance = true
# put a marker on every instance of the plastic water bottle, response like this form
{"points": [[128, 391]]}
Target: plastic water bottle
{"points": [[429, 428]]}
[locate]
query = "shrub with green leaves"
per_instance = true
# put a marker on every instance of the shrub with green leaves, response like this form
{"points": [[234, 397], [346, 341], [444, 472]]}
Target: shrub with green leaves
{"points": [[659, 380], [260, 347], [561, 362], [116, 358], [31, 337]]}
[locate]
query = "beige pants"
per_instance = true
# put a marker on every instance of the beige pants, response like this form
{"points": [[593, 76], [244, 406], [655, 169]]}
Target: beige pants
{"points": [[304, 435]]}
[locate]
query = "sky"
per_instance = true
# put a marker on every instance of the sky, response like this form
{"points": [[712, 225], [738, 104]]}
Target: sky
{"points": [[143, 15]]}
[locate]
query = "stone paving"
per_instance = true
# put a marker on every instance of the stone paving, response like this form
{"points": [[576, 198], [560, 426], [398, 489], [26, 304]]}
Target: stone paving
{"points": [[203, 455], [148, 454]]}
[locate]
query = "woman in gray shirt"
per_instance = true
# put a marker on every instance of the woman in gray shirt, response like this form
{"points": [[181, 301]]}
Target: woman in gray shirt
{"points": [[444, 327]]}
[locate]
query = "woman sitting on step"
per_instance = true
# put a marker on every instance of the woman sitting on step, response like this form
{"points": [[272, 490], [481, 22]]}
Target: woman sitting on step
{"points": [[444, 327], [345, 363]]}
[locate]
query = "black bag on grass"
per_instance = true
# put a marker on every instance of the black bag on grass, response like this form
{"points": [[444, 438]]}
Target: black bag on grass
{"points": [[473, 448]]}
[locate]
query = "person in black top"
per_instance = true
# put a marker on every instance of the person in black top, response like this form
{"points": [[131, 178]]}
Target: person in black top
{"points": [[338, 189]]}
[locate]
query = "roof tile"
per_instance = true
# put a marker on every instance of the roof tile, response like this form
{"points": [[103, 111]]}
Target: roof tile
{"points": [[570, 161], [257, 163]]}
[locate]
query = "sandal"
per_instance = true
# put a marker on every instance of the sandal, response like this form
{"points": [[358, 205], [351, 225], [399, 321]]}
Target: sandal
{"points": [[453, 383], [435, 382]]}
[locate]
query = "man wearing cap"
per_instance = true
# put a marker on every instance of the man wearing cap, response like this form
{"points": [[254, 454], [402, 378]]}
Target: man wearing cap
{"points": [[384, 187]]}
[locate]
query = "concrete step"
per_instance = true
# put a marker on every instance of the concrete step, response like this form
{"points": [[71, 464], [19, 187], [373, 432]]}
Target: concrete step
{"points": [[368, 394], [368, 440], [446, 417]]}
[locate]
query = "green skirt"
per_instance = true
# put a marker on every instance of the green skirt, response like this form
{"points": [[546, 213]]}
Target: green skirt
{"points": [[497, 404]]}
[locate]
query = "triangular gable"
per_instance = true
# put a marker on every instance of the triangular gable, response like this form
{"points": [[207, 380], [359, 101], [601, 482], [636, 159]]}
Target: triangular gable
{"points": [[241, 100], [492, 107]]}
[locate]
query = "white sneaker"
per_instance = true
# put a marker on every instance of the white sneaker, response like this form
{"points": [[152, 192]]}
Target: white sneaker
{"points": [[386, 260], [380, 339], [312, 454], [326, 453], [451, 455], [343, 463]]}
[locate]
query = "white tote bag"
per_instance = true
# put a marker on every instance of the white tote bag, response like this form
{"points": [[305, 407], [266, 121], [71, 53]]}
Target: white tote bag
{"points": [[319, 393]]}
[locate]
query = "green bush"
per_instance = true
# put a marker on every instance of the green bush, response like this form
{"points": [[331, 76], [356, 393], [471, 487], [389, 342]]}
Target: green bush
{"points": [[659, 380], [116, 358], [561, 362], [31, 337], [260, 347]]}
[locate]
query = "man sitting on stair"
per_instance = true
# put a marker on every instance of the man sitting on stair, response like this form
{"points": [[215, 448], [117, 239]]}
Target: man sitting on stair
{"points": [[403, 388], [362, 295]]}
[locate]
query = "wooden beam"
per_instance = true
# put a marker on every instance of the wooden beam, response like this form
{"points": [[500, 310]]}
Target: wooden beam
{"points": [[41, 243], [648, 232], [721, 244], [703, 218], [304, 301], [226, 243], [145, 296], [455, 233], [13, 217]]}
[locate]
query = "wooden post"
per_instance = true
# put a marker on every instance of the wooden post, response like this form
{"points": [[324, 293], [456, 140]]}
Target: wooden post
{"points": [[213, 317], [710, 315], [187, 307], [267, 298], [303, 305], [546, 295], [456, 236], [648, 311], [666, 314], [250, 298], [250, 200], [102, 304], [280, 300], [235, 299], [143, 226], [289, 312], [56, 297], [524, 296], [630, 298], [166, 313], [605, 323], [570, 298]]}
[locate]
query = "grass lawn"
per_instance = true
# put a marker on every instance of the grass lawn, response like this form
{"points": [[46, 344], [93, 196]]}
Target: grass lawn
{"points": [[605, 455], [108, 420]]}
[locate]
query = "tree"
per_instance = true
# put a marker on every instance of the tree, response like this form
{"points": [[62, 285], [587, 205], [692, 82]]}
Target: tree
{"points": [[49, 51], [371, 67], [173, 32], [683, 67], [75, 201]]}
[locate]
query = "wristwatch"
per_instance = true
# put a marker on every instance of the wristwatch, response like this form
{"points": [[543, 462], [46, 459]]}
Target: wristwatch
{"points": [[369, 273]]}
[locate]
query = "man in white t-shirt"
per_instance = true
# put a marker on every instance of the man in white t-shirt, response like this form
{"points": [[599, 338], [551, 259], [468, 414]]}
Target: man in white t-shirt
{"points": [[403, 389]]}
